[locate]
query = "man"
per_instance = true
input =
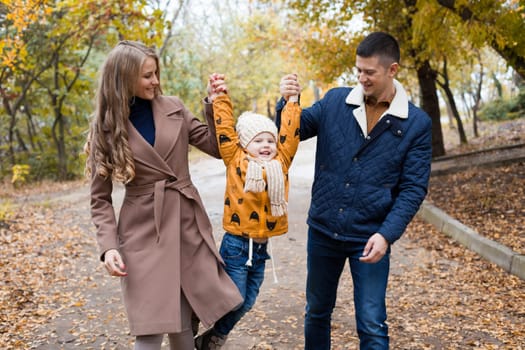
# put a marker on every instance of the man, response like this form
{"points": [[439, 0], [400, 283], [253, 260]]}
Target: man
{"points": [[371, 174]]}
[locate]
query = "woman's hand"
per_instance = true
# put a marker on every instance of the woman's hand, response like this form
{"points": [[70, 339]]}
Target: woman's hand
{"points": [[114, 264], [216, 86]]}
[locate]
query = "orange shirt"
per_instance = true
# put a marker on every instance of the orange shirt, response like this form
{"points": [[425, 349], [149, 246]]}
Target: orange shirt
{"points": [[246, 213]]}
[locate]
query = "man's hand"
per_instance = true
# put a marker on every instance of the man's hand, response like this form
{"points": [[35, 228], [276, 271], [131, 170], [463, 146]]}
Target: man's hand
{"points": [[289, 86], [114, 264], [375, 249]]}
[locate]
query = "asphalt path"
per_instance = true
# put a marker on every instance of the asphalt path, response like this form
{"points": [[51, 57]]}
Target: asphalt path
{"points": [[276, 321], [277, 317]]}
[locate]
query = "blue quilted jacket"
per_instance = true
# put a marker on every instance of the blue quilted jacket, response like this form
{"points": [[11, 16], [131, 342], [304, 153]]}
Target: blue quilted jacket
{"points": [[365, 184]]}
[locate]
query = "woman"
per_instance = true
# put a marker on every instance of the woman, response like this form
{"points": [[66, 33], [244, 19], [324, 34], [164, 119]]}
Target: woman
{"points": [[162, 247]]}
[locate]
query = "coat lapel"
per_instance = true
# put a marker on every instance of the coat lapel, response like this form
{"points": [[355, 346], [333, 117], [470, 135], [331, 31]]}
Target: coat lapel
{"points": [[143, 152], [168, 124]]}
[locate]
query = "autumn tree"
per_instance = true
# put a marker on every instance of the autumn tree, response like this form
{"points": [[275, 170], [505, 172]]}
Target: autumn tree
{"points": [[50, 90], [428, 32], [339, 18], [497, 23], [44, 81], [15, 17]]}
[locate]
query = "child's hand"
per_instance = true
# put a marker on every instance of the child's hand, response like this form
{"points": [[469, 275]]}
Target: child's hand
{"points": [[216, 86]]}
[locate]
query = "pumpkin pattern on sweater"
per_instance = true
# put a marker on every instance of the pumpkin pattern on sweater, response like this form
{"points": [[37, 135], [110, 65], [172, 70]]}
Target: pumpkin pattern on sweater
{"points": [[247, 213]]}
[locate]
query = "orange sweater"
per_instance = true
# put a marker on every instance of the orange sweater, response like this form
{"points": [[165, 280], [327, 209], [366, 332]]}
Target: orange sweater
{"points": [[246, 213]]}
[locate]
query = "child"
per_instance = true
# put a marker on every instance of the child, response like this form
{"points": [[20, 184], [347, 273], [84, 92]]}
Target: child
{"points": [[257, 160]]}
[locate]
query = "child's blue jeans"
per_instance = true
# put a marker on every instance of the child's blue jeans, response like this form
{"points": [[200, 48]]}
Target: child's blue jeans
{"points": [[234, 251]]}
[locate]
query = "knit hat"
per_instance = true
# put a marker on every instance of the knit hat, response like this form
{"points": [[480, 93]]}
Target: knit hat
{"points": [[251, 124]]}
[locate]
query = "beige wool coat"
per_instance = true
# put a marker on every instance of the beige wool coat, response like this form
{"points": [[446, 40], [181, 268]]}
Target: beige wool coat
{"points": [[163, 231]]}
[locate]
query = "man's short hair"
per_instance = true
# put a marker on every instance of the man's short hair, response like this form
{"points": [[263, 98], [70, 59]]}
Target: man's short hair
{"points": [[379, 44]]}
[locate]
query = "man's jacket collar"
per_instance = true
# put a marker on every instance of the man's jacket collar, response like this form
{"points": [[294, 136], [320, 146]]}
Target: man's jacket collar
{"points": [[398, 107]]}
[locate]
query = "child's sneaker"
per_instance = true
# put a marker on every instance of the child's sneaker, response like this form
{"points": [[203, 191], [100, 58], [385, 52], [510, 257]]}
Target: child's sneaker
{"points": [[210, 340]]}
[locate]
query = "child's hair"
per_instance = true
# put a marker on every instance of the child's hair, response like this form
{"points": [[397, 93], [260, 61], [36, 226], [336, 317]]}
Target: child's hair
{"points": [[251, 124], [107, 145]]}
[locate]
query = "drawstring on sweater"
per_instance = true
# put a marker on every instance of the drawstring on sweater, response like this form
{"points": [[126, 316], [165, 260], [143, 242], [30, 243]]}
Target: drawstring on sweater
{"points": [[250, 253], [273, 265], [250, 257]]}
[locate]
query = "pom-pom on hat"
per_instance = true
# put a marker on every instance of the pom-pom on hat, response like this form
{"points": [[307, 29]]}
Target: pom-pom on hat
{"points": [[251, 124]]}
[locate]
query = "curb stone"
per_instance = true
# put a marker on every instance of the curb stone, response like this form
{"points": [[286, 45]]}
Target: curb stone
{"points": [[489, 157], [497, 253]]}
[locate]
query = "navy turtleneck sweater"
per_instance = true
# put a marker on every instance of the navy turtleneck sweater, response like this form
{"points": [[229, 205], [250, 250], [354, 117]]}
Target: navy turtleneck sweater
{"points": [[141, 116]]}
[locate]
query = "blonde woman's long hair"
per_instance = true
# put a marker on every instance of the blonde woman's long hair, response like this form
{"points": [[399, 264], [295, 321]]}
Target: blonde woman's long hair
{"points": [[107, 147]]}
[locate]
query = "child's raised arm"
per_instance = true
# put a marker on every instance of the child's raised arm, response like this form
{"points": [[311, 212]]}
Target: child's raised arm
{"points": [[227, 138]]}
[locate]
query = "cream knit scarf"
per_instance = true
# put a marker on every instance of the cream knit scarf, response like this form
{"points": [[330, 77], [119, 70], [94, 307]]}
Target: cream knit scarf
{"points": [[275, 179]]}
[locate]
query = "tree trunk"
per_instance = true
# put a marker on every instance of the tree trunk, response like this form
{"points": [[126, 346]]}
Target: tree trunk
{"points": [[36, 144], [430, 104], [477, 101], [450, 116], [455, 113], [269, 110], [62, 156], [10, 132], [58, 137], [475, 122], [58, 124], [21, 144], [451, 102]]}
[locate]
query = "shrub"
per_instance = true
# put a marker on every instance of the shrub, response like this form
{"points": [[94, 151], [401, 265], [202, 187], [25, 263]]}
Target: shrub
{"points": [[20, 174], [500, 109], [6, 210]]}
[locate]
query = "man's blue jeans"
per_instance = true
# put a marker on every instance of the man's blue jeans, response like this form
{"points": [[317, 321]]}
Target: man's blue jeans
{"points": [[234, 251], [325, 263]]}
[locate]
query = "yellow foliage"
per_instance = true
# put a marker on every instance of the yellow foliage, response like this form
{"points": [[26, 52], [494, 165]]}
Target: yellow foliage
{"points": [[21, 14], [20, 173], [6, 209], [94, 14]]}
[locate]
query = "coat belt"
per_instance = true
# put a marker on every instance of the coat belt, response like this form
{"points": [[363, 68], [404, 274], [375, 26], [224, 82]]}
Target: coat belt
{"points": [[158, 189]]}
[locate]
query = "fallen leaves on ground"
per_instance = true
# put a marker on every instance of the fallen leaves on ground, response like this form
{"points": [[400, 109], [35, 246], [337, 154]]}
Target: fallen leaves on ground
{"points": [[51, 287], [455, 299], [489, 200], [440, 296], [54, 294], [36, 257]]}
